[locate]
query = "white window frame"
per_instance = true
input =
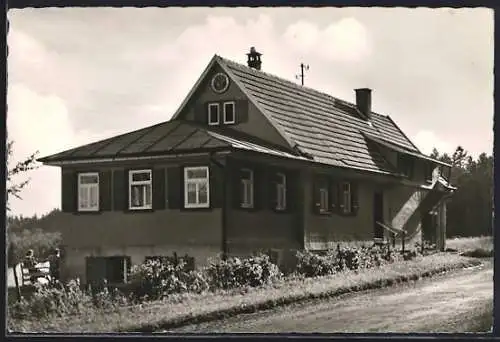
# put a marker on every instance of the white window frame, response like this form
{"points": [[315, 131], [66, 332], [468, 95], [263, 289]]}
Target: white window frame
{"points": [[324, 199], [234, 112], [149, 182], [281, 192], [209, 113], [346, 198], [88, 186], [197, 182], [247, 185]]}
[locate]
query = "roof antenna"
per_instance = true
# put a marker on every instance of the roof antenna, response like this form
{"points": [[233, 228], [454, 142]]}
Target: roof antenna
{"points": [[302, 68]]}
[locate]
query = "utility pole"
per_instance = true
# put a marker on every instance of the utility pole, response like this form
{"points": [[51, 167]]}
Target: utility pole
{"points": [[301, 76]]}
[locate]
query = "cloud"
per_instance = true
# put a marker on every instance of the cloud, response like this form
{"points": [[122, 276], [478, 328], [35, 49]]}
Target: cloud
{"points": [[347, 40], [426, 141], [40, 123]]}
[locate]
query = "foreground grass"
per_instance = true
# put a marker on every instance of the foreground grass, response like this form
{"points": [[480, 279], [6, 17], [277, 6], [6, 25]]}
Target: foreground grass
{"points": [[185, 309]]}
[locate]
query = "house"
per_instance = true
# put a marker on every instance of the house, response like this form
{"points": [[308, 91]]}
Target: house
{"points": [[249, 162]]}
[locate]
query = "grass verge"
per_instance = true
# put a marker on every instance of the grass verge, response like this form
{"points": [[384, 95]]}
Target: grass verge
{"points": [[470, 244], [189, 309]]}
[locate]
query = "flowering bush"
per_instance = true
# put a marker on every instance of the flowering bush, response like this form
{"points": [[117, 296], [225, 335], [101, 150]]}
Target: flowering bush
{"points": [[235, 272], [311, 264], [157, 278]]}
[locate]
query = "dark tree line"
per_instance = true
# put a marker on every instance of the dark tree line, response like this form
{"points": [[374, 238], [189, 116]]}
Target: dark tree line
{"points": [[470, 210]]}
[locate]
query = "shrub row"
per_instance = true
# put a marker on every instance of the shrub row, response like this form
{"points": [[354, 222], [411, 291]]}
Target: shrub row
{"points": [[159, 278], [348, 258]]}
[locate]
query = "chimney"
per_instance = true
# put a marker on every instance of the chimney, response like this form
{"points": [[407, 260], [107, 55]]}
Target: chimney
{"points": [[254, 59], [364, 101]]}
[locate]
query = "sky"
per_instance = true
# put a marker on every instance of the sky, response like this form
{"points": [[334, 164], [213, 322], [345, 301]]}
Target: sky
{"points": [[78, 75]]}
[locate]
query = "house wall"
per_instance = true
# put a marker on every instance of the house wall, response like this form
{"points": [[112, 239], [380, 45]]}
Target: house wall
{"points": [[402, 211], [256, 124], [326, 231], [137, 234]]}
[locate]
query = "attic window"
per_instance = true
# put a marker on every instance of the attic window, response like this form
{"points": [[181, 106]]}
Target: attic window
{"points": [[405, 165], [213, 114], [229, 113]]}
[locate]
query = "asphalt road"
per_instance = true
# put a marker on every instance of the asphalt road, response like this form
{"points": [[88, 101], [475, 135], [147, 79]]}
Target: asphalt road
{"points": [[447, 303]]}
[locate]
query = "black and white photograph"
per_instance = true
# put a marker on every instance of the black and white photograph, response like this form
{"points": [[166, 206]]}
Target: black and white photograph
{"points": [[250, 170]]}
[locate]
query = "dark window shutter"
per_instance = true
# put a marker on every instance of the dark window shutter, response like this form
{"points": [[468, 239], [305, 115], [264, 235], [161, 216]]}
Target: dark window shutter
{"points": [[105, 189], [201, 113], [120, 190], [354, 198], [69, 196], [272, 181], [175, 182], [241, 111], [216, 186], [333, 192], [95, 270], [260, 190], [316, 196], [236, 187], [159, 189], [291, 191]]}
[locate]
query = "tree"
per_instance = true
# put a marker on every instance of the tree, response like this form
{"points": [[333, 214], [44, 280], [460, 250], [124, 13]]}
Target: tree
{"points": [[24, 166], [470, 208]]}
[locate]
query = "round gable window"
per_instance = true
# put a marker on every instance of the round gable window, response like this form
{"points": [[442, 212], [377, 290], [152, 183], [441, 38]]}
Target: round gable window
{"points": [[220, 83]]}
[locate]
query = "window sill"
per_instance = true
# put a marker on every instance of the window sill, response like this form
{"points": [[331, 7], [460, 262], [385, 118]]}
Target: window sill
{"points": [[87, 212]]}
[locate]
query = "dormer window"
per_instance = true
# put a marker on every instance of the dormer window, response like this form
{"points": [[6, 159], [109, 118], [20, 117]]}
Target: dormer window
{"points": [[229, 113], [213, 114]]}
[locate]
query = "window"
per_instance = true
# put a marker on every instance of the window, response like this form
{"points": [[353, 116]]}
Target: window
{"points": [[140, 189], [246, 188], [346, 198], [88, 191], [281, 192], [196, 187], [229, 113], [213, 113], [112, 269], [323, 200], [405, 165]]}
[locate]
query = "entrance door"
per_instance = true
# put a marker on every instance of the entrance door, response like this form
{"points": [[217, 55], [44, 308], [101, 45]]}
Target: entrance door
{"points": [[378, 214]]}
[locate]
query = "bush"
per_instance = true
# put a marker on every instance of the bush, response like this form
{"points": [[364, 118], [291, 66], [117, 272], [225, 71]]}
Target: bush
{"points": [[158, 278], [235, 272], [311, 264], [46, 301]]}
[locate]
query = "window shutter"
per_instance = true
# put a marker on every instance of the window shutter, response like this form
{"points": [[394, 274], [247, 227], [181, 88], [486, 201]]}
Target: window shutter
{"points": [[201, 113], [159, 189], [120, 190], [260, 189], [316, 196], [236, 186], [291, 191], [216, 186], [69, 193], [333, 192], [272, 181], [105, 189], [175, 187], [95, 270], [354, 198], [241, 111]]}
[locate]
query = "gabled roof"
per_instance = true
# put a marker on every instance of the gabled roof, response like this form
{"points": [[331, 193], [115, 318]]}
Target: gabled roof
{"points": [[171, 137], [329, 129], [316, 125]]}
